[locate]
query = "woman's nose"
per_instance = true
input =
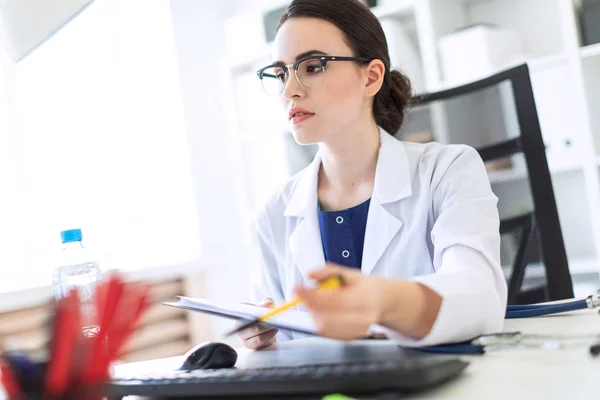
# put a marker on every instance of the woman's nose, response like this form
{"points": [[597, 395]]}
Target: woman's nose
{"points": [[292, 87]]}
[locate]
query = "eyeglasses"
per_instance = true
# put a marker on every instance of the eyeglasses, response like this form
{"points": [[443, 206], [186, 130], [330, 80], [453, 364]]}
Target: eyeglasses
{"points": [[309, 71]]}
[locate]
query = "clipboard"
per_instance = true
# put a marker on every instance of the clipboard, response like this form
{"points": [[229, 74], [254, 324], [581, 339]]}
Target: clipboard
{"points": [[290, 320]]}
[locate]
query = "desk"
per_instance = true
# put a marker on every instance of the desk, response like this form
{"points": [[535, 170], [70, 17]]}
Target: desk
{"points": [[532, 374], [509, 374]]}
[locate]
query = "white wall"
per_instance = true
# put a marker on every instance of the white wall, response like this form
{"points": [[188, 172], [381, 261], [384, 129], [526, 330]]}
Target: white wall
{"points": [[244, 6], [200, 43]]}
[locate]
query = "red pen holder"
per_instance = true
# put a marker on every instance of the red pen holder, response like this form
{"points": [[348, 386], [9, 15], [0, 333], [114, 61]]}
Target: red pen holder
{"points": [[78, 364]]}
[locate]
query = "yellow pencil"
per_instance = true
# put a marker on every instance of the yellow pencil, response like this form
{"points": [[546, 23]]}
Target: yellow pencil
{"points": [[327, 284]]}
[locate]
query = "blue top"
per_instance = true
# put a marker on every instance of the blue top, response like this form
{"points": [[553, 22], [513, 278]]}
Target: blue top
{"points": [[343, 234]]}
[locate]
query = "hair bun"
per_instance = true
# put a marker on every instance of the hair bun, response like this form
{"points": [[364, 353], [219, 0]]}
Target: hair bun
{"points": [[390, 108], [401, 87]]}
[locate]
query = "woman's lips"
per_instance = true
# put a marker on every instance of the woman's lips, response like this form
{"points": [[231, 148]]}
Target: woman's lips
{"points": [[300, 117]]}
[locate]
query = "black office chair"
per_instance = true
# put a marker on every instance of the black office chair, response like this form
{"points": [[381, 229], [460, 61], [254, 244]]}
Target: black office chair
{"points": [[497, 116]]}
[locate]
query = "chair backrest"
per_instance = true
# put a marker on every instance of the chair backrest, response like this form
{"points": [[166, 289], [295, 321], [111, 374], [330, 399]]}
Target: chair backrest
{"points": [[497, 116]]}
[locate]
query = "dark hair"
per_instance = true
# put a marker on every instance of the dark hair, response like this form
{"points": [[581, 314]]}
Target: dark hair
{"points": [[365, 37]]}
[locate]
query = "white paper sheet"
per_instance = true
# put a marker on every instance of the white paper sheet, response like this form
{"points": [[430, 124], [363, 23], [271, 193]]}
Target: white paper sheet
{"points": [[292, 320]]}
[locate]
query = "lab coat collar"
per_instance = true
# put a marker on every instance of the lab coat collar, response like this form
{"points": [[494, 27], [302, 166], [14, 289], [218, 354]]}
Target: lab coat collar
{"points": [[392, 174], [392, 178], [392, 183]]}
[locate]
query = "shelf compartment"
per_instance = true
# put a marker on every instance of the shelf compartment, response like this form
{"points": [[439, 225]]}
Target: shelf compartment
{"points": [[591, 76], [592, 50]]}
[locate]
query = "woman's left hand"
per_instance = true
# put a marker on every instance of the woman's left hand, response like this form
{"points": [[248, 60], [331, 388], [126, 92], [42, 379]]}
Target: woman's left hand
{"points": [[347, 312]]}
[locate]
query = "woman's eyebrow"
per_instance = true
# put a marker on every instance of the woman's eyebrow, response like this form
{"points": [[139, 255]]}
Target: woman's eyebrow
{"points": [[304, 54]]}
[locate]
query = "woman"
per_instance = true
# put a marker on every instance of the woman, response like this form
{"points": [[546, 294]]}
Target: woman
{"points": [[411, 228]]}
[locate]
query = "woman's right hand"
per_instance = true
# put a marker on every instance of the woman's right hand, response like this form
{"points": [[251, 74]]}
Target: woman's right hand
{"points": [[257, 337]]}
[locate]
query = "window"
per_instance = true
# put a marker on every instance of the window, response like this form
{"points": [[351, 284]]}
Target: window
{"points": [[98, 141]]}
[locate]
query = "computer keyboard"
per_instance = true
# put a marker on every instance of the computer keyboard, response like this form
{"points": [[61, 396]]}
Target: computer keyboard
{"points": [[402, 375]]}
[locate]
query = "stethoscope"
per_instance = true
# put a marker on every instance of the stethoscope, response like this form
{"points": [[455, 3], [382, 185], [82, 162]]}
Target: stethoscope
{"points": [[512, 340], [536, 310]]}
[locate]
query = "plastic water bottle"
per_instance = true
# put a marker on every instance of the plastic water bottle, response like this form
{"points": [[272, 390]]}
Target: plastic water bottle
{"points": [[77, 269]]}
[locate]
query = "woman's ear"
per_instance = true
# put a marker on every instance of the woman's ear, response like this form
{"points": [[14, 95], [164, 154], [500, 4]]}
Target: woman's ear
{"points": [[375, 71]]}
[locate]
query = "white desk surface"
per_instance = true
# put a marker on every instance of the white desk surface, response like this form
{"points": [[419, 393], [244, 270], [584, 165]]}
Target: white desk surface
{"points": [[532, 374], [508, 374], [570, 373]]}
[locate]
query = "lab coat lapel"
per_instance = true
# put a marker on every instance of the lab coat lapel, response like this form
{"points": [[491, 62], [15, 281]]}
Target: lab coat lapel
{"points": [[305, 241], [392, 183], [306, 247], [381, 229]]}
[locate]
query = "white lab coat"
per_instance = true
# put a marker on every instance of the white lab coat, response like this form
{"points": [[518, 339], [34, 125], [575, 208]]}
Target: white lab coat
{"points": [[432, 218]]}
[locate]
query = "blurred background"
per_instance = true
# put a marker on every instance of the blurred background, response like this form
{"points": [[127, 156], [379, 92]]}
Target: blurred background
{"points": [[143, 123]]}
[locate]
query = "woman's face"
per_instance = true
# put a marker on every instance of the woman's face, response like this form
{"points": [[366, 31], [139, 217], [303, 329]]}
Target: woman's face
{"points": [[339, 101]]}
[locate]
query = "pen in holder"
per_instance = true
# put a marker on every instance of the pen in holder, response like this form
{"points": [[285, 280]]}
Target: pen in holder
{"points": [[78, 364]]}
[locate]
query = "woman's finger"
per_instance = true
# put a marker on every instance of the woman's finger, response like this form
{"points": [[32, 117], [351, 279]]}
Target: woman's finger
{"points": [[253, 331], [318, 299], [268, 302], [348, 275], [328, 271], [342, 326], [258, 330], [263, 340]]}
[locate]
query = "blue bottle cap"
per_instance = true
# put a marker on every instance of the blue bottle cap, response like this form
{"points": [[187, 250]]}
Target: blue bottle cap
{"points": [[71, 235]]}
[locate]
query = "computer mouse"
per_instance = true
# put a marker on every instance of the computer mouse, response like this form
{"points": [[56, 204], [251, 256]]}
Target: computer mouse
{"points": [[209, 355]]}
